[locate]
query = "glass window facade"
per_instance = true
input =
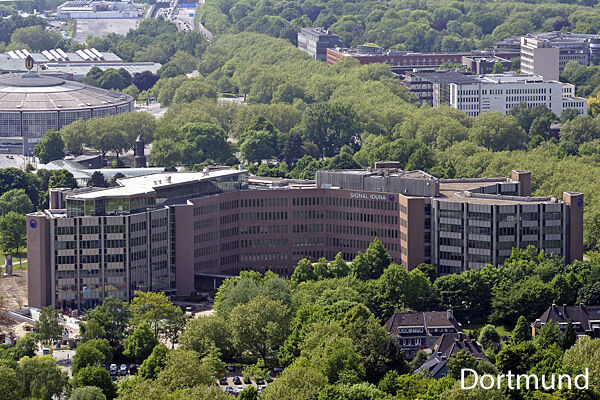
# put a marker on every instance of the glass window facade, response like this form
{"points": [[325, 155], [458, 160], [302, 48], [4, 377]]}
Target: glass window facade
{"points": [[36, 124], [66, 117], [10, 124], [103, 112]]}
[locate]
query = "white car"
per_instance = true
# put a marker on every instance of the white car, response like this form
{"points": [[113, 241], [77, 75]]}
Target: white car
{"points": [[240, 388]]}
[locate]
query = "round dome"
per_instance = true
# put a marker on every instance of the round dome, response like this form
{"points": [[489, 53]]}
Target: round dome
{"points": [[31, 104], [30, 80]]}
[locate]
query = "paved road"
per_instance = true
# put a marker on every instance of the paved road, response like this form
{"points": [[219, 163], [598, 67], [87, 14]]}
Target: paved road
{"points": [[12, 160]]}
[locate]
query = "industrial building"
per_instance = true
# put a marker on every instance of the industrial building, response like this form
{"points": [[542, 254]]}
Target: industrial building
{"points": [[70, 65], [31, 104], [547, 53], [316, 41], [171, 231], [85, 9]]}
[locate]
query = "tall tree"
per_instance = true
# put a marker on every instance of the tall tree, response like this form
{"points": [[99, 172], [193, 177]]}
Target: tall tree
{"points": [[331, 126], [259, 327], [152, 308], [522, 331], [98, 377], [15, 200], [13, 233], [140, 343], [50, 148], [49, 325], [570, 337], [41, 377]]}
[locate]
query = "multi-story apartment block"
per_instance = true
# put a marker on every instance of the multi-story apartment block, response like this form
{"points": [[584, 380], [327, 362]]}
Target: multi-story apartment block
{"points": [[316, 41], [170, 231], [547, 53]]}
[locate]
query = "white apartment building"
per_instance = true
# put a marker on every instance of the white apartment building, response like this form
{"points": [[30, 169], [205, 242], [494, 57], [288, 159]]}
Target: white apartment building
{"points": [[501, 92]]}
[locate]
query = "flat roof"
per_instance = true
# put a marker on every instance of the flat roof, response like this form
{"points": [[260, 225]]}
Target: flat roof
{"points": [[383, 172], [445, 77], [149, 183], [455, 192]]}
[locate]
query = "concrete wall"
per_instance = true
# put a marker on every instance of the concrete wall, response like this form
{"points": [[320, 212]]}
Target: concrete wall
{"points": [[574, 206], [38, 261]]}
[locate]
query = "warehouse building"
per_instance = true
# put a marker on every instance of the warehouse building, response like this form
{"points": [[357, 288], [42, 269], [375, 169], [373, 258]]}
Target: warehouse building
{"points": [[169, 231]]}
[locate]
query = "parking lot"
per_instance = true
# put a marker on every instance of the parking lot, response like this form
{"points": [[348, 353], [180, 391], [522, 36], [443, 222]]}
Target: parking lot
{"points": [[99, 27]]}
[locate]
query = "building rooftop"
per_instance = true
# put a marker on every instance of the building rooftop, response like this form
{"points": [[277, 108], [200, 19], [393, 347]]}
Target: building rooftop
{"points": [[583, 316], [34, 92], [150, 182], [445, 76], [429, 319], [59, 55], [558, 36]]}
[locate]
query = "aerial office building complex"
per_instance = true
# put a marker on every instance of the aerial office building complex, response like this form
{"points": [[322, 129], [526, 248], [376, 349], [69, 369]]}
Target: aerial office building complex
{"points": [[547, 53], [493, 92], [169, 231], [316, 41]]}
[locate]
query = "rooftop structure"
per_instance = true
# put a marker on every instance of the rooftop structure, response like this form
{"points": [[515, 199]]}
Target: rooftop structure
{"points": [[493, 92], [70, 65], [31, 104], [585, 319], [170, 231], [547, 53], [403, 61], [316, 41], [480, 65], [99, 9], [448, 345], [420, 330]]}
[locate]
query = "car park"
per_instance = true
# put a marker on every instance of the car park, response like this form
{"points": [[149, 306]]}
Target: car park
{"points": [[240, 388], [133, 369]]}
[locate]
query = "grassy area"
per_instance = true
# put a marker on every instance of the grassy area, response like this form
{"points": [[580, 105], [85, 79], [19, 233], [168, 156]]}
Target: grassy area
{"points": [[502, 330], [15, 260]]}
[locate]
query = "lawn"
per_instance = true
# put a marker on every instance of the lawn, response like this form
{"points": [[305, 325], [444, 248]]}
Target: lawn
{"points": [[15, 259], [502, 330]]}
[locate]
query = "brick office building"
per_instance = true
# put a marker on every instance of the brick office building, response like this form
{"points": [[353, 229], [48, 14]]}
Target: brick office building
{"points": [[166, 231]]}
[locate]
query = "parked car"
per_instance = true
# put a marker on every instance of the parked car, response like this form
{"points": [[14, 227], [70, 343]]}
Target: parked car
{"points": [[237, 380], [223, 381], [230, 368], [229, 389], [240, 388], [113, 369], [133, 369], [123, 369], [247, 380]]}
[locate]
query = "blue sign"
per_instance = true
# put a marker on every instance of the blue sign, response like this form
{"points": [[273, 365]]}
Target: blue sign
{"points": [[580, 202], [33, 223], [391, 198]]}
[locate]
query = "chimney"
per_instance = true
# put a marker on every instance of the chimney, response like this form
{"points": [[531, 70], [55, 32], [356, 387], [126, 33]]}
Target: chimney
{"points": [[448, 314]]}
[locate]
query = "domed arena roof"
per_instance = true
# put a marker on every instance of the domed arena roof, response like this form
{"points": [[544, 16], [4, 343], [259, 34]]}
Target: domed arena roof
{"points": [[34, 92]]}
